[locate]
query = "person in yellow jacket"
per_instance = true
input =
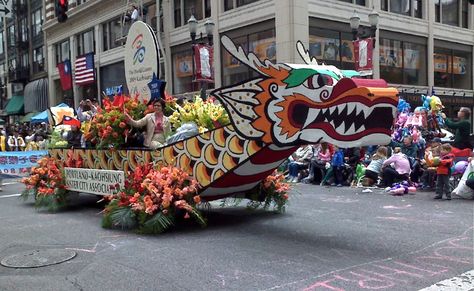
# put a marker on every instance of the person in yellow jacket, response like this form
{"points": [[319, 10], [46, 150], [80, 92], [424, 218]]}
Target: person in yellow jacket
{"points": [[3, 141], [16, 142]]}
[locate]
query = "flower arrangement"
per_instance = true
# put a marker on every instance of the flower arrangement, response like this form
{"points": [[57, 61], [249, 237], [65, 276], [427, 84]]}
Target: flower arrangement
{"points": [[109, 127], [152, 200], [271, 192], [46, 184], [206, 114]]}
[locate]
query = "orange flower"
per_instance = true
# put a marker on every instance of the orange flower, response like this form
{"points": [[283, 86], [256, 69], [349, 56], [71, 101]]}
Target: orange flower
{"points": [[197, 199]]}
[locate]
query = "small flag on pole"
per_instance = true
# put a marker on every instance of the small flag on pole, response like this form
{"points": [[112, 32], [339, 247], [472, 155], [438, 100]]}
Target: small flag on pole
{"points": [[85, 70]]}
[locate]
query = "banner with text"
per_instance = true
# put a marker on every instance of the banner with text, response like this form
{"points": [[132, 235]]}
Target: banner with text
{"points": [[19, 162], [100, 182]]}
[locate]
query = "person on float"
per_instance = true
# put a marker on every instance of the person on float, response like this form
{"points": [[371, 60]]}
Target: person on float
{"points": [[74, 137], [157, 125], [86, 110], [463, 129], [16, 142]]}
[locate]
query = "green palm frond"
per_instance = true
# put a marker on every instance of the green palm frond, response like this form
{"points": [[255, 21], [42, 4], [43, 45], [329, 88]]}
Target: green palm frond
{"points": [[123, 217], [199, 218], [157, 224]]}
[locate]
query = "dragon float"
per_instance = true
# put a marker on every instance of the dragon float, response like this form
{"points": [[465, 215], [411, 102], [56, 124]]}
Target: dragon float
{"points": [[271, 116]]}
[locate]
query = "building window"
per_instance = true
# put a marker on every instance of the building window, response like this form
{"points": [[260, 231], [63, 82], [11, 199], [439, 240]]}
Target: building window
{"points": [[452, 12], [184, 8], [231, 4], [112, 31], [402, 62], [12, 64], [260, 43], [358, 2], [1, 43], [24, 60], [85, 42], [150, 16], [452, 68], [38, 60], [404, 7], [23, 30], [332, 47], [182, 72], [11, 35], [62, 51], [36, 22]]}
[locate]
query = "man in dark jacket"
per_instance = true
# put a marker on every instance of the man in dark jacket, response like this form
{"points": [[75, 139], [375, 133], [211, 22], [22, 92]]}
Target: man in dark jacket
{"points": [[408, 147], [462, 127]]}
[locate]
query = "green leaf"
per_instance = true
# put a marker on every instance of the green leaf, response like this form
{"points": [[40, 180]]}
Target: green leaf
{"points": [[198, 217], [123, 217], [157, 224]]}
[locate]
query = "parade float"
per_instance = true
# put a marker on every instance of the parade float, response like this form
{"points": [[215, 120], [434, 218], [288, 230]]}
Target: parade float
{"points": [[245, 131]]}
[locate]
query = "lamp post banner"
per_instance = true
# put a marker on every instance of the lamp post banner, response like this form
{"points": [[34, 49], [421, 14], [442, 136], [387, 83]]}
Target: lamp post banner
{"points": [[363, 51], [203, 58], [141, 59]]}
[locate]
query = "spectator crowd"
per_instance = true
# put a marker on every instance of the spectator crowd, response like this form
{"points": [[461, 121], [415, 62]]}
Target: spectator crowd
{"points": [[426, 166]]}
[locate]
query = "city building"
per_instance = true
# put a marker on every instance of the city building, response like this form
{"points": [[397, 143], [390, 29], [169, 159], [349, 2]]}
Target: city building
{"points": [[420, 45], [23, 78]]}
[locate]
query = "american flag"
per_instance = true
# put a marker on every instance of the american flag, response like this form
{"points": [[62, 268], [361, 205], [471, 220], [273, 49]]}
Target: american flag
{"points": [[85, 69]]}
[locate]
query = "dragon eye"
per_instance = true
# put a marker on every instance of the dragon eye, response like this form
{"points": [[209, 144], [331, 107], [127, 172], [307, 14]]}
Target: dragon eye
{"points": [[315, 82]]}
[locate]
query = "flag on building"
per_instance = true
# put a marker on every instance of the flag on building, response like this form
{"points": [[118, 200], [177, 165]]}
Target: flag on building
{"points": [[85, 70], [363, 51], [204, 60], [65, 75]]}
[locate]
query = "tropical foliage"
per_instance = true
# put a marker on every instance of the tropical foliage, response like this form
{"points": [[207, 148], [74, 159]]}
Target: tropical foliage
{"points": [[152, 200]]}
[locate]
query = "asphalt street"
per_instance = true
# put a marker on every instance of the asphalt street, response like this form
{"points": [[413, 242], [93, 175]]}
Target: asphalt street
{"points": [[329, 239]]}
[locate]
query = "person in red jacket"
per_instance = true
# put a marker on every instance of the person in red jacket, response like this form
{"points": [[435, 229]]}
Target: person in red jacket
{"points": [[443, 172]]}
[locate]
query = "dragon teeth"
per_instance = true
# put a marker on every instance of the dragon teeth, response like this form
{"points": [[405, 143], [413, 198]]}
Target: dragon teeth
{"points": [[351, 129], [340, 128], [350, 108], [312, 115]]}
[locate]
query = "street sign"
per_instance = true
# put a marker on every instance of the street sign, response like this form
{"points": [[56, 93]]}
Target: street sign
{"points": [[6, 8]]}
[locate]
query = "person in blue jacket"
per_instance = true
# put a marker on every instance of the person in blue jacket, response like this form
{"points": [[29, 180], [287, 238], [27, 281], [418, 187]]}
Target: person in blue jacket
{"points": [[337, 163]]}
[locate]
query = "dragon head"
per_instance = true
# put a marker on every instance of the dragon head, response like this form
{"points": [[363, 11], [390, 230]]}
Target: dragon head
{"points": [[300, 104]]}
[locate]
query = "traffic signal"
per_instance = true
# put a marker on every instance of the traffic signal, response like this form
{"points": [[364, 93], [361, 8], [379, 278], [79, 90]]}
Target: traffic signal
{"points": [[61, 9]]}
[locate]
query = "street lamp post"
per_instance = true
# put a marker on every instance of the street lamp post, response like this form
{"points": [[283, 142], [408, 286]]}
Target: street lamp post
{"points": [[355, 23], [209, 29]]}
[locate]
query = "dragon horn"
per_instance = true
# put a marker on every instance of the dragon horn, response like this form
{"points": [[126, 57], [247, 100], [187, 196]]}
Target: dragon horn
{"points": [[304, 54], [267, 69]]}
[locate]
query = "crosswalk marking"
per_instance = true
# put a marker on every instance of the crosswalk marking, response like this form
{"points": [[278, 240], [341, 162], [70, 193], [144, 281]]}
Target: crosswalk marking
{"points": [[463, 282], [11, 195]]}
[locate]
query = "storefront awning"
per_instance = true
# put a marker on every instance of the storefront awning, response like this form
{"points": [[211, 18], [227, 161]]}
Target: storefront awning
{"points": [[27, 118], [36, 95], [15, 106]]}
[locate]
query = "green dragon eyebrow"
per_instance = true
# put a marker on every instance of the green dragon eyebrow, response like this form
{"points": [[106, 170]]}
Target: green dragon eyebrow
{"points": [[296, 77]]}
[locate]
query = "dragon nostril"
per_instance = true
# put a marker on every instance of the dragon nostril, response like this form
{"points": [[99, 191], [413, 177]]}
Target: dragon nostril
{"points": [[299, 114]]}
